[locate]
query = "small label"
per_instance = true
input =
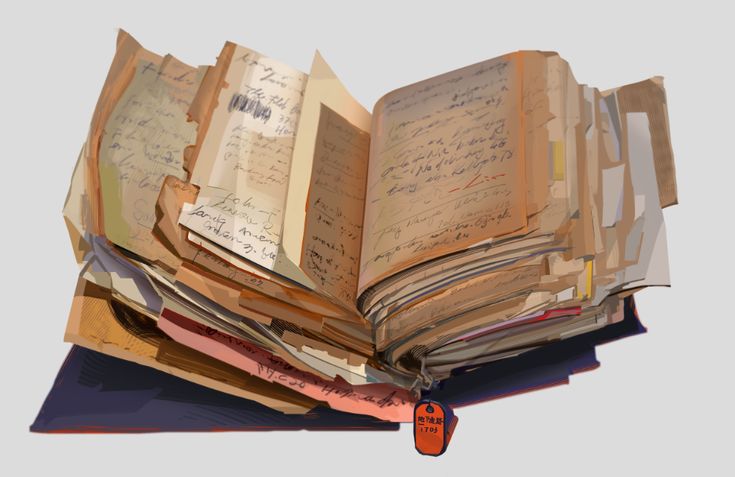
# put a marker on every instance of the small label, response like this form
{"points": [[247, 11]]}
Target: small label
{"points": [[433, 425]]}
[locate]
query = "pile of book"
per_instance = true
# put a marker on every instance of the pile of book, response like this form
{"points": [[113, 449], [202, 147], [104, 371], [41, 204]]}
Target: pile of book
{"points": [[255, 231]]}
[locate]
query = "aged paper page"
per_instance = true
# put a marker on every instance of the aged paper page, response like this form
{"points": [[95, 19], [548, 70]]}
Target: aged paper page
{"points": [[244, 163], [143, 142], [649, 96], [335, 207], [326, 197], [447, 167]]}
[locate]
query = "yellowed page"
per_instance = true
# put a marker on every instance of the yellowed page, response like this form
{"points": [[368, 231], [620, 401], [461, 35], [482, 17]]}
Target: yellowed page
{"points": [[244, 163], [324, 211], [446, 167], [143, 142], [335, 206]]}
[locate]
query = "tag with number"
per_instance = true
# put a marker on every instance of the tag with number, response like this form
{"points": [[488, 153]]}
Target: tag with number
{"points": [[433, 425]]}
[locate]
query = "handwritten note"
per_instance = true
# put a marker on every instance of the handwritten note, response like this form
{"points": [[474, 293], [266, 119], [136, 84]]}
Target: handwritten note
{"points": [[144, 141], [446, 167], [335, 206], [244, 164]]}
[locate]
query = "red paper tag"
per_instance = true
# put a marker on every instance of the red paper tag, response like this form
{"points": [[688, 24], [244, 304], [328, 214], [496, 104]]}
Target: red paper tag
{"points": [[433, 426]]}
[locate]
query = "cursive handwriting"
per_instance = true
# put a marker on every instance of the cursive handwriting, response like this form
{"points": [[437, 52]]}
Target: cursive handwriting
{"points": [[144, 141], [446, 170], [335, 206], [247, 156]]}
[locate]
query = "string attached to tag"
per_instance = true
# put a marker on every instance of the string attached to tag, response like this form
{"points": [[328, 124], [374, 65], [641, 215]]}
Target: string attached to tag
{"points": [[433, 426]]}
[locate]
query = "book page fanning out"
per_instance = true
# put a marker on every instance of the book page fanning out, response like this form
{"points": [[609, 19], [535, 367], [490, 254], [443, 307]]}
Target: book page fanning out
{"points": [[243, 166], [446, 167], [141, 142], [323, 220]]}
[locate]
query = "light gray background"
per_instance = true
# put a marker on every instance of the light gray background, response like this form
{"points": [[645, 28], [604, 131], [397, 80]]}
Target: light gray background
{"points": [[661, 402]]}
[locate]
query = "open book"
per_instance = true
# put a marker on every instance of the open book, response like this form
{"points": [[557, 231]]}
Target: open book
{"points": [[256, 230]]}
